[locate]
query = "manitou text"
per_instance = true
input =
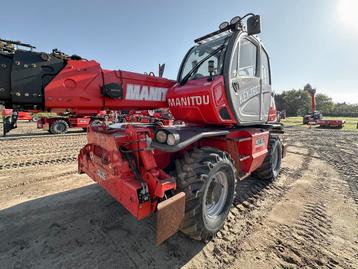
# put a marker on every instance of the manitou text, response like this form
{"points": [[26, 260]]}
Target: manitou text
{"points": [[146, 93], [189, 101]]}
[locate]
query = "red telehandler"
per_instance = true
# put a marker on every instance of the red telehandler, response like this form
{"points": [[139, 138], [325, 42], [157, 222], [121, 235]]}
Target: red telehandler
{"points": [[316, 117], [185, 170]]}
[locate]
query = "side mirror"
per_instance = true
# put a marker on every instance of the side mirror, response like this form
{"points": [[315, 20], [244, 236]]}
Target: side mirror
{"points": [[253, 25]]}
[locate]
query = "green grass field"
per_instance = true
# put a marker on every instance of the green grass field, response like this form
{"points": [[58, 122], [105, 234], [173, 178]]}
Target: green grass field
{"points": [[350, 125]]}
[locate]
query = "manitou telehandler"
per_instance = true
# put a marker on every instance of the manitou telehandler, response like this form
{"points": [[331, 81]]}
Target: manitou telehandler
{"points": [[184, 171]]}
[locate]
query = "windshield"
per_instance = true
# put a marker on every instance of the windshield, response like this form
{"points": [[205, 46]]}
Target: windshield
{"points": [[200, 52]]}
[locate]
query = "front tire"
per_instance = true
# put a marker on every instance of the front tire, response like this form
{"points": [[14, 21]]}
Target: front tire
{"points": [[208, 178], [270, 168]]}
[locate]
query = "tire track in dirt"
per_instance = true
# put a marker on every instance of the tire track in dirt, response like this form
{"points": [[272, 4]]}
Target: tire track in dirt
{"points": [[40, 162], [335, 147], [25, 145], [306, 243], [6, 154], [37, 180]]}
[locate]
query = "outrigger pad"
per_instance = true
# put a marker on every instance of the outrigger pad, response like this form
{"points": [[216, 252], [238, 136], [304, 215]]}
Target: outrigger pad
{"points": [[170, 214]]}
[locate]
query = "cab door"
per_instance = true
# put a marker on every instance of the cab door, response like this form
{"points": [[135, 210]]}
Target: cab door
{"points": [[245, 89]]}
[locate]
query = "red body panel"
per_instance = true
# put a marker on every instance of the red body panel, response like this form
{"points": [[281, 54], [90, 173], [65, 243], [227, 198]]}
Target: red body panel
{"points": [[200, 101], [248, 148], [78, 89]]}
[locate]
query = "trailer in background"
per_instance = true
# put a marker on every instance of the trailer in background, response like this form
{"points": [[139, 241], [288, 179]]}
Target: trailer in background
{"points": [[61, 124]]}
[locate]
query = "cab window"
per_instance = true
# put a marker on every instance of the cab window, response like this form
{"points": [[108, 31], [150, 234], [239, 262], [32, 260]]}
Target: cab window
{"points": [[234, 66], [247, 58], [265, 68]]}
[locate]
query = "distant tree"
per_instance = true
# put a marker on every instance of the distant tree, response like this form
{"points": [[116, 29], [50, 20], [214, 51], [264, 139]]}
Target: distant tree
{"points": [[280, 103], [295, 102], [298, 103], [344, 109], [324, 103]]}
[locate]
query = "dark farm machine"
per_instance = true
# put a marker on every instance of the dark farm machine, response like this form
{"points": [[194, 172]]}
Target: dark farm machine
{"points": [[316, 117], [185, 170]]}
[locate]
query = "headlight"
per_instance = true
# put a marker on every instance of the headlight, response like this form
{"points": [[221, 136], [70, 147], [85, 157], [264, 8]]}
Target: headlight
{"points": [[161, 136], [173, 139], [235, 20]]}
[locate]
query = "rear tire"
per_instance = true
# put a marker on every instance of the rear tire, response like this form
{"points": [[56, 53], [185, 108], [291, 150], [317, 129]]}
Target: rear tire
{"points": [[208, 178], [59, 127], [270, 168]]}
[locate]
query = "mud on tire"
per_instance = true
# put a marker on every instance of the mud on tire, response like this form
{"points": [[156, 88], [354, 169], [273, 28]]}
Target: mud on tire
{"points": [[270, 168], [208, 178]]}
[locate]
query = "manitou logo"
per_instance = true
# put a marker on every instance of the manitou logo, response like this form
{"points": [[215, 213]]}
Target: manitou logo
{"points": [[189, 101], [146, 93]]}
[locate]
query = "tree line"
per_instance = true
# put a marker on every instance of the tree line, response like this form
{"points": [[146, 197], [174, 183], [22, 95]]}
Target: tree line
{"points": [[298, 103]]}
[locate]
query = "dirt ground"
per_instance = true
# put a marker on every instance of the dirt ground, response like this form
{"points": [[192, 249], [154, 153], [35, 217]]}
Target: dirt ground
{"points": [[51, 217]]}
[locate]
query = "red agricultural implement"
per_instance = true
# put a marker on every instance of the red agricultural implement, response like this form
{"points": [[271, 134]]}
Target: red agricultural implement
{"points": [[10, 118], [22, 115], [61, 123], [185, 170], [316, 117]]}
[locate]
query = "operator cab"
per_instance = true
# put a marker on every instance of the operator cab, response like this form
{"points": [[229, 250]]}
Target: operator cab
{"points": [[225, 78]]}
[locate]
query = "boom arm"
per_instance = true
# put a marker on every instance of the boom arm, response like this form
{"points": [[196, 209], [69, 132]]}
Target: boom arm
{"points": [[61, 83]]}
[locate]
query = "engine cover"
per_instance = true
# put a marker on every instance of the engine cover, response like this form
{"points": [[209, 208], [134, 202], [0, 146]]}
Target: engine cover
{"points": [[201, 101]]}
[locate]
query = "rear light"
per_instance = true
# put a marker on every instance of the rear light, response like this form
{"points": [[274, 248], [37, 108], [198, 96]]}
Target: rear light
{"points": [[161, 136], [173, 139], [167, 136]]}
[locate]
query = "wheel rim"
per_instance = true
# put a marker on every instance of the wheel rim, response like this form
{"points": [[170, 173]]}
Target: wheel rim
{"points": [[275, 160], [60, 127], [216, 195]]}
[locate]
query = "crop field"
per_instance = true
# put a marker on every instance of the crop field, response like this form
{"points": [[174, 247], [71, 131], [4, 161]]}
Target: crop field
{"points": [[52, 217]]}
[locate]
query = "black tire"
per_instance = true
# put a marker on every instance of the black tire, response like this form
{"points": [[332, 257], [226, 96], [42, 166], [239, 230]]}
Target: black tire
{"points": [[59, 127], [198, 176], [270, 168]]}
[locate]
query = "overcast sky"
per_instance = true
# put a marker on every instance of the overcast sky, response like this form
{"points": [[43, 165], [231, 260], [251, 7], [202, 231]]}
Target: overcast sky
{"points": [[308, 41]]}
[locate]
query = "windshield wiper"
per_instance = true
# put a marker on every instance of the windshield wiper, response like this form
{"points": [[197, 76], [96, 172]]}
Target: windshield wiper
{"points": [[195, 68]]}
